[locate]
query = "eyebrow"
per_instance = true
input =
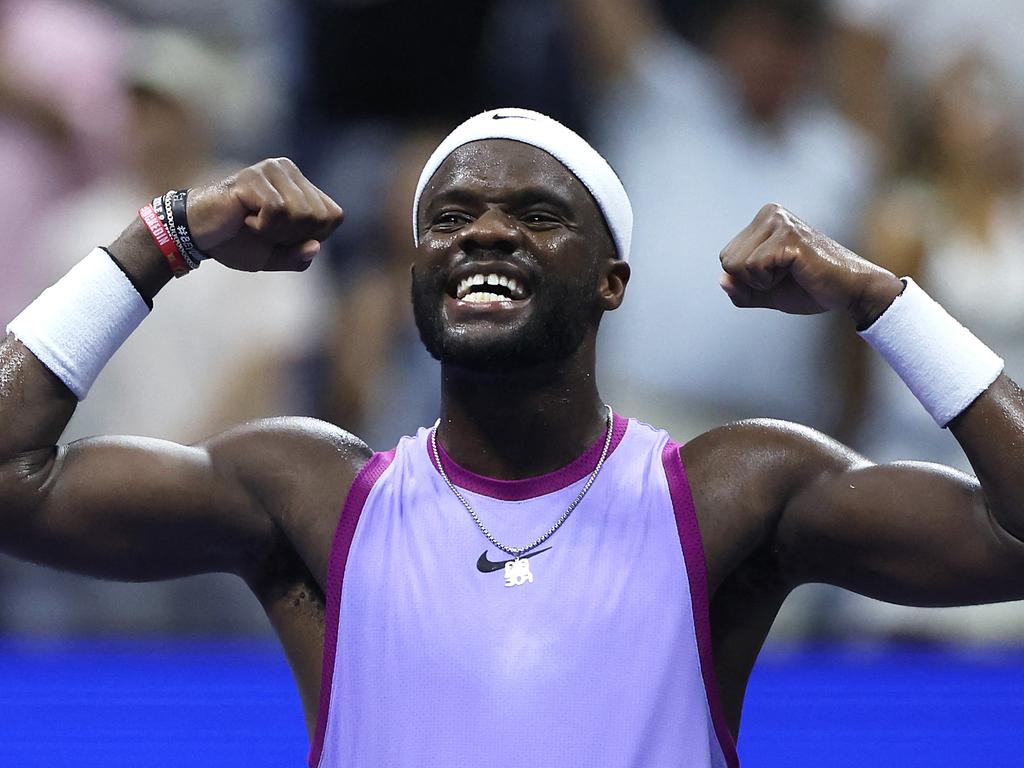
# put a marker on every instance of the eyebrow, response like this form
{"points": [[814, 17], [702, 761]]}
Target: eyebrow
{"points": [[518, 198]]}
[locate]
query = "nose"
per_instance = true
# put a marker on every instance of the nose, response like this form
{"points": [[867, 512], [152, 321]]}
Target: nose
{"points": [[493, 230]]}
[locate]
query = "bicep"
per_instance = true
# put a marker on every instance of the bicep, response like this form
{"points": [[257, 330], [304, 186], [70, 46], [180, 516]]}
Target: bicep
{"points": [[139, 509], [910, 533]]}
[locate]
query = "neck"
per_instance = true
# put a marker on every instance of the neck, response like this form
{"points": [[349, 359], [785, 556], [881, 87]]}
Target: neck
{"points": [[521, 424]]}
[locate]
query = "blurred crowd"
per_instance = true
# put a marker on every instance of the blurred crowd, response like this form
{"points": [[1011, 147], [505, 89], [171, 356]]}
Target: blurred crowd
{"points": [[891, 125]]}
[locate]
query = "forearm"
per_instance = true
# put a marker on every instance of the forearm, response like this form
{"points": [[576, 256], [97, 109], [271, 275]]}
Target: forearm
{"points": [[35, 406], [991, 432]]}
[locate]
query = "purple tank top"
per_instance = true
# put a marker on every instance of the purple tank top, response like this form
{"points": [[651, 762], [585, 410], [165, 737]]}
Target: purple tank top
{"points": [[603, 659]]}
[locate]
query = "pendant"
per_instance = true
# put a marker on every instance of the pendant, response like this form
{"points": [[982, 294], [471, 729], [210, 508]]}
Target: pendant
{"points": [[517, 572]]}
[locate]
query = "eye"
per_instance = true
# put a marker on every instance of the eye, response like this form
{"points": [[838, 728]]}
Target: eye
{"points": [[541, 219], [448, 221]]}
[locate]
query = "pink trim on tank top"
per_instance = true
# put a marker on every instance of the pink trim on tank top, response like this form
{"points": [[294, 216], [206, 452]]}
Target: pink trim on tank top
{"points": [[363, 483], [696, 574], [530, 487]]}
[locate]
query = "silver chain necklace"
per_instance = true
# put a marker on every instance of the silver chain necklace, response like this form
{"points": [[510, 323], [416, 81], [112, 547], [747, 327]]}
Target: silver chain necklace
{"points": [[517, 571]]}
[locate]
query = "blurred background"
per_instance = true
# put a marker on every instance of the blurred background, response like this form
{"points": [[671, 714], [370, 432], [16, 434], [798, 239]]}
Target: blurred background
{"points": [[892, 125]]}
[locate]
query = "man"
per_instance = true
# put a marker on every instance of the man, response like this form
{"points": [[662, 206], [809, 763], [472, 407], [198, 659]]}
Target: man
{"points": [[534, 578]]}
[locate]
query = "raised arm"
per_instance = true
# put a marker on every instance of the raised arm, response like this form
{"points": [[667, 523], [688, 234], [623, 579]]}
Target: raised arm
{"points": [[140, 509], [907, 532]]}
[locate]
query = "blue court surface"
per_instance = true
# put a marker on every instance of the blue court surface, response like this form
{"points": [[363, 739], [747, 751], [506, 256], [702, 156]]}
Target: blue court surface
{"points": [[232, 703]]}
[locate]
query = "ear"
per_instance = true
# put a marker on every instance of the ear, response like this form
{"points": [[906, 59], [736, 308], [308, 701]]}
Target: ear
{"points": [[613, 285]]}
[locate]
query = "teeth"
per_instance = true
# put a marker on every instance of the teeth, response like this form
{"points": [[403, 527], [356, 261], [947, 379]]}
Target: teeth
{"points": [[481, 297], [467, 283]]}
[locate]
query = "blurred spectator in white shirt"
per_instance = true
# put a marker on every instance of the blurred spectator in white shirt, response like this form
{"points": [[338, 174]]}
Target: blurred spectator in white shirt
{"points": [[703, 137]]}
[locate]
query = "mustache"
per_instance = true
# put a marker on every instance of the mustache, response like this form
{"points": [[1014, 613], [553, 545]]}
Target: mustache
{"points": [[520, 258]]}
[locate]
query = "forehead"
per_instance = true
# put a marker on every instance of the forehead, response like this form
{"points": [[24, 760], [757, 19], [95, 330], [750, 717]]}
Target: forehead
{"points": [[500, 166]]}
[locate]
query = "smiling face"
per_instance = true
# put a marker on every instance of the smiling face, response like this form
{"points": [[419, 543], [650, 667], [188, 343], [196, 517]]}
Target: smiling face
{"points": [[515, 264]]}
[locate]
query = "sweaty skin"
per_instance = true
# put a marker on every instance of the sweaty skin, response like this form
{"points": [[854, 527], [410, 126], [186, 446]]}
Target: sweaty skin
{"points": [[778, 504]]}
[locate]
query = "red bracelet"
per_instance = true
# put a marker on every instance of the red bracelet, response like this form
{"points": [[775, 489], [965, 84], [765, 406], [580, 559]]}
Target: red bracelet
{"points": [[163, 240]]}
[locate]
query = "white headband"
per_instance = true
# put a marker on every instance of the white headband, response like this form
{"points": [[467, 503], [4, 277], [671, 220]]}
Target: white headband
{"points": [[564, 145]]}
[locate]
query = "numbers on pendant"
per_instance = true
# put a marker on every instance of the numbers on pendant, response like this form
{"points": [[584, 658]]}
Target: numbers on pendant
{"points": [[517, 572]]}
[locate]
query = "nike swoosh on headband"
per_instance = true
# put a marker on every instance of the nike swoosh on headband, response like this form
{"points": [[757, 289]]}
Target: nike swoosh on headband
{"points": [[489, 566]]}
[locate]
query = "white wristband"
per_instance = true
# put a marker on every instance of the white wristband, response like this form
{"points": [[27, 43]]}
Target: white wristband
{"points": [[944, 364], [77, 324]]}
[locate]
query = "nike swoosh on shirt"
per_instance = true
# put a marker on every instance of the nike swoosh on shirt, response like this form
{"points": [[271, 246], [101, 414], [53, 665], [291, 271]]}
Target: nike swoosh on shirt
{"points": [[489, 566]]}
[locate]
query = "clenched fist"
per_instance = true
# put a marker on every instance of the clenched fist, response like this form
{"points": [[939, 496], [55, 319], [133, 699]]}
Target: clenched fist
{"points": [[267, 217], [779, 262]]}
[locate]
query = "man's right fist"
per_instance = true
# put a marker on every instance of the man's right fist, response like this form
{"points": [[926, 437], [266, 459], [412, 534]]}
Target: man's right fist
{"points": [[267, 217]]}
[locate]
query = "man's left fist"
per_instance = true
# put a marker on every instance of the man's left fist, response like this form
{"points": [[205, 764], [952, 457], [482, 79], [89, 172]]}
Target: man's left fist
{"points": [[779, 262]]}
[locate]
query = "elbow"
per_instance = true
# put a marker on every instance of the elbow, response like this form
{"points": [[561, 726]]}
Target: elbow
{"points": [[1010, 524], [24, 482], [1007, 521]]}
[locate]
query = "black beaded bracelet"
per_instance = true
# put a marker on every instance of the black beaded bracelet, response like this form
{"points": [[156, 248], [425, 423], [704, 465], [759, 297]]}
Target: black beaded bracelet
{"points": [[180, 204], [168, 210]]}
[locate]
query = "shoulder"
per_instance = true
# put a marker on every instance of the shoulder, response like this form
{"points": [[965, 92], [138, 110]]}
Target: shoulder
{"points": [[761, 439], [295, 433], [743, 474], [280, 455], [767, 453], [299, 471]]}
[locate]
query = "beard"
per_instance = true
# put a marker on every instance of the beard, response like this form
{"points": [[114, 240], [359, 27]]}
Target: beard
{"points": [[560, 316]]}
